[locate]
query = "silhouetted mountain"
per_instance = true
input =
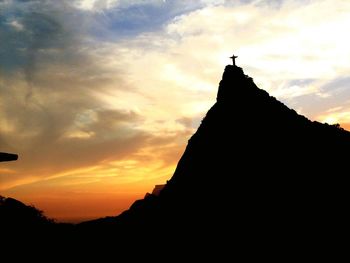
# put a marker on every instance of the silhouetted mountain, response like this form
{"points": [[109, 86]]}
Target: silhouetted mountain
{"points": [[254, 169], [254, 175]]}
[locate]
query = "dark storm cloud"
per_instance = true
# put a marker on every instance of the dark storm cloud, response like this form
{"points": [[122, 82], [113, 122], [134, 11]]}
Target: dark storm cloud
{"points": [[28, 28]]}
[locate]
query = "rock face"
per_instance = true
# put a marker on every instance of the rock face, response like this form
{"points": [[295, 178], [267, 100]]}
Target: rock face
{"points": [[254, 168]]}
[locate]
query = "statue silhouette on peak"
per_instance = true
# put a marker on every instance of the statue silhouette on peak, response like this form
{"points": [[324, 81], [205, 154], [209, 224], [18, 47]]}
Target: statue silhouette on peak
{"points": [[234, 60]]}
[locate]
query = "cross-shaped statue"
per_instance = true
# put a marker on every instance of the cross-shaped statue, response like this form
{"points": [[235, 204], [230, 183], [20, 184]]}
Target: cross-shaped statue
{"points": [[234, 59]]}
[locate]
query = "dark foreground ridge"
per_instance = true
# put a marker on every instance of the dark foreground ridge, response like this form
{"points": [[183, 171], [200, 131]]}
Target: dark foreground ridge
{"points": [[15, 213], [254, 172]]}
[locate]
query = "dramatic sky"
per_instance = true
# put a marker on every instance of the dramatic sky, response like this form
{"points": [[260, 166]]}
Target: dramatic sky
{"points": [[99, 97]]}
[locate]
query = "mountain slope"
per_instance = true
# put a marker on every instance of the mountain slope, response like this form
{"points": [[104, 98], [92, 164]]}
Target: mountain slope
{"points": [[253, 166]]}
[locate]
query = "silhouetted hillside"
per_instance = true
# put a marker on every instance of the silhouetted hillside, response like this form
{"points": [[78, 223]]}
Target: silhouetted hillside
{"points": [[254, 175], [14, 215], [254, 169]]}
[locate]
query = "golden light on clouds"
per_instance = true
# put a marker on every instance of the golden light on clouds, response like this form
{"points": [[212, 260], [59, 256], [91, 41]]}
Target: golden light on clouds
{"points": [[99, 98]]}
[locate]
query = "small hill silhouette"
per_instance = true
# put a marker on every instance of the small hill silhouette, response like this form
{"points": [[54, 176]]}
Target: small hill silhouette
{"points": [[15, 214], [254, 172]]}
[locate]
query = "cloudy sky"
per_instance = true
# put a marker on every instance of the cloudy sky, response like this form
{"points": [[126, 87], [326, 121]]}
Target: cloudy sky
{"points": [[99, 97]]}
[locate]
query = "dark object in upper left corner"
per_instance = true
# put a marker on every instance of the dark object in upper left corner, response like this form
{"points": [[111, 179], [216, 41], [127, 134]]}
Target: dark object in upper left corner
{"points": [[5, 157]]}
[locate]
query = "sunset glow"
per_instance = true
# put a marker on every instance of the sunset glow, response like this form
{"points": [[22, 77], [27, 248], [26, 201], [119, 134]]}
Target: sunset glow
{"points": [[98, 98]]}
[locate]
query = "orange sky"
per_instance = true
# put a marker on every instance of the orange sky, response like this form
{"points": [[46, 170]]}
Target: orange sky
{"points": [[99, 98]]}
